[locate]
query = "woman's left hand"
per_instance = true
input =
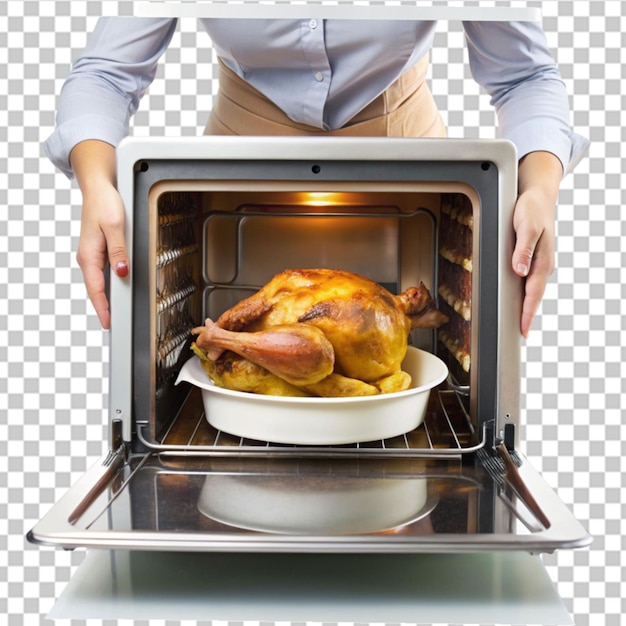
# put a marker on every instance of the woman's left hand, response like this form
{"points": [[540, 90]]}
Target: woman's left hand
{"points": [[540, 174]]}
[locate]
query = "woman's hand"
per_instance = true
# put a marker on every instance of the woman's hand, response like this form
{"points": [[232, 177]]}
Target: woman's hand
{"points": [[101, 241], [540, 174], [102, 223]]}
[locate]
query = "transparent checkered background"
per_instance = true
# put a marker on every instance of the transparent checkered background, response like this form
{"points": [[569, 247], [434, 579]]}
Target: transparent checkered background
{"points": [[53, 354]]}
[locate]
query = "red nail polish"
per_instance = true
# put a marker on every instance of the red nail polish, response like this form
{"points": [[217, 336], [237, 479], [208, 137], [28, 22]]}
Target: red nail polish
{"points": [[121, 269]]}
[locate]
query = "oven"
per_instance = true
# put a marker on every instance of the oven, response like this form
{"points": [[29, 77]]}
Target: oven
{"points": [[211, 220]]}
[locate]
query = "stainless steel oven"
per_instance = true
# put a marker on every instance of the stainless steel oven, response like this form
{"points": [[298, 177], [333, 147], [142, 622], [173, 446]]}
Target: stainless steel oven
{"points": [[211, 220]]}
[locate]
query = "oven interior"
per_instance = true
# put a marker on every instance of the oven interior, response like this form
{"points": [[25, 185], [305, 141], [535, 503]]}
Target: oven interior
{"points": [[211, 249]]}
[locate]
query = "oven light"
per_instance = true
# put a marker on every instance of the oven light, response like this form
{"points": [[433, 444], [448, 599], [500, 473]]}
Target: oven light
{"points": [[321, 198]]}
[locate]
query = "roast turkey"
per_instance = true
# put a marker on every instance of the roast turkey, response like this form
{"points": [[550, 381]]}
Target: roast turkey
{"points": [[316, 332]]}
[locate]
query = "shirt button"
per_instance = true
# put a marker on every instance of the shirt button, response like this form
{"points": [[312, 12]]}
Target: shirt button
{"points": [[319, 77], [313, 24]]}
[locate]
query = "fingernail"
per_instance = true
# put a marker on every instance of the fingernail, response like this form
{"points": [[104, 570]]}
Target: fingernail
{"points": [[121, 269], [522, 269]]}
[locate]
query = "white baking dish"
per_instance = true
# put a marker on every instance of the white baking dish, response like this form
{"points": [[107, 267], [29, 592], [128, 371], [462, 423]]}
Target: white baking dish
{"points": [[320, 421]]}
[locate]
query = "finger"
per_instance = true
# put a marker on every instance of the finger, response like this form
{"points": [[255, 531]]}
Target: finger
{"points": [[525, 265], [525, 244], [93, 277], [535, 284], [116, 247], [522, 261], [534, 289]]}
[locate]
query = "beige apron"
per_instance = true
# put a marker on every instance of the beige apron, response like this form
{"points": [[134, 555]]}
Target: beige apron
{"points": [[406, 109]]}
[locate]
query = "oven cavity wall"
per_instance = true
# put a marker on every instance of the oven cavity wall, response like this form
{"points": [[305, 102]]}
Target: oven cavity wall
{"points": [[214, 243]]}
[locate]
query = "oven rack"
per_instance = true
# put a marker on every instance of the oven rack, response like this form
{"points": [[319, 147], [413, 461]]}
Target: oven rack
{"points": [[446, 432]]}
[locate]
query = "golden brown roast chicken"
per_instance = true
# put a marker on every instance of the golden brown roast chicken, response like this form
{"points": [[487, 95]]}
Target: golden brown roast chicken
{"points": [[316, 332]]}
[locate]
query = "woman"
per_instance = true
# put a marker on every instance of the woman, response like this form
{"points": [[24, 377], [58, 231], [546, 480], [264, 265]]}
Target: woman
{"points": [[313, 77]]}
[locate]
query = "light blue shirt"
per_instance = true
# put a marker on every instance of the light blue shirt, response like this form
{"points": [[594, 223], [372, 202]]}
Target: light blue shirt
{"points": [[320, 73]]}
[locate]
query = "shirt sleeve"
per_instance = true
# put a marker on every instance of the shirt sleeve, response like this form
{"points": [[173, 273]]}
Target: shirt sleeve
{"points": [[512, 62], [106, 83]]}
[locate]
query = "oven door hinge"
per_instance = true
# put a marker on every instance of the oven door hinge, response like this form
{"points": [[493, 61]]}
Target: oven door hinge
{"points": [[118, 446], [509, 437], [505, 436]]}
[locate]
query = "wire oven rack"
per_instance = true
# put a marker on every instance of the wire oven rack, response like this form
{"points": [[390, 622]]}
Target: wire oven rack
{"points": [[446, 432]]}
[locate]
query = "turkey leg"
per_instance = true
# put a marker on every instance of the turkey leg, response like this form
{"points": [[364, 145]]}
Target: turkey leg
{"points": [[297, 353]]}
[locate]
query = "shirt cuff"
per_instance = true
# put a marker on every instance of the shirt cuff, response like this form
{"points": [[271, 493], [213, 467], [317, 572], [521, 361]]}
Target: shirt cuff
{"points": [[537, 134], [67, 135]]}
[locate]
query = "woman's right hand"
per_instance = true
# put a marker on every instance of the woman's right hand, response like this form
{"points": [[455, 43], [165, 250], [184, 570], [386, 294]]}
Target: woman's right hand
{"points": [[101, 243], [102, 238]]}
